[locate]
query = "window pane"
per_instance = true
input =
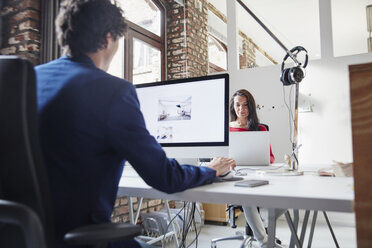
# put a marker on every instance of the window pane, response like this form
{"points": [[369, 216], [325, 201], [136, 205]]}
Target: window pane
{"points": [[146, 63], [216, 54], [217, 36], [144, 13], [117, 64]]}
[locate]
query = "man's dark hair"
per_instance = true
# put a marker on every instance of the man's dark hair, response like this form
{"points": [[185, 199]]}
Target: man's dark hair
{"points": [[82, 25]]}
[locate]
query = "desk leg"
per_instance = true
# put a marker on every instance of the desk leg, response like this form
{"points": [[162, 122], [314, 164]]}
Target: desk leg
{"points": [[271, 228], [312, 229], [130, 207], [304, 226], [330, 229], [296, 217], [138, 210], [293, 230], [170, 219]]}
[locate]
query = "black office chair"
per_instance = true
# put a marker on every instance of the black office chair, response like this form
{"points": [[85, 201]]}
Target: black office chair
{"points": [[25, 203]]}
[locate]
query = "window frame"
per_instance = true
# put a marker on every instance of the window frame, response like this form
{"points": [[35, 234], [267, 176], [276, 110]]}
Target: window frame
{"points": [[135, 31]]}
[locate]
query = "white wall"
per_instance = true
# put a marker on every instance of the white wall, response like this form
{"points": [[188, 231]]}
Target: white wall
{"points": [[265, 86], [349, 26], [325, 134]]}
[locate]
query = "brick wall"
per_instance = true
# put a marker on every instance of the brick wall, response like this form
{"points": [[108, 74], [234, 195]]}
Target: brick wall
{"points": [[121, 210], [248, 58], [21, 29], [195, 49]]}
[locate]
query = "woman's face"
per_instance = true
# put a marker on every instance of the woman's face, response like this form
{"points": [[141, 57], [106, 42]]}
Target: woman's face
{"points": [[241, 106]]}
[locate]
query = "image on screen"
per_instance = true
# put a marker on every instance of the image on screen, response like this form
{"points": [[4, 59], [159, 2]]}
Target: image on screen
{"points": [[191, 111]]}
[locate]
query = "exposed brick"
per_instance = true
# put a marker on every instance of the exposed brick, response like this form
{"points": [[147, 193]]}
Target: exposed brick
{"points": [[25, 14], [121, 210], [178, 40], [144, 205], [30, 36], [21, 29], [116, 219], [177, 52], [29, 48], [123, 201], [16, 6], [117, 202], [174, 70], [29, 25], [8, 50], [152, 203], [125, 218]]}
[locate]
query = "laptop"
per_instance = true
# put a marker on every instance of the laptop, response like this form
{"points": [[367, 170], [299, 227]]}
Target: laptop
{"points": [[251, 148]]}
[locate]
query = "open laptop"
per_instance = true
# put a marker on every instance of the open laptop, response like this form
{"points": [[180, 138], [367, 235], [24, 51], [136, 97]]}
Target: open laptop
{"points": [[251, 148]]}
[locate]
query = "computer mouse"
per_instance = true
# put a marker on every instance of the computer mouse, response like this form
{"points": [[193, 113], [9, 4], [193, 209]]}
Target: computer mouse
{"points": [[227, 175]]}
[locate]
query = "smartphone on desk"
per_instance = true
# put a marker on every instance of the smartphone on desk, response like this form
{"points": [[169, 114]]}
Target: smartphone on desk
{"points": [[251, 183]]}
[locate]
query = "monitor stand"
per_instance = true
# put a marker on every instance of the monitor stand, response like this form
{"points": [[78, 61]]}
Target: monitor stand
{"points": [[190, 161]]}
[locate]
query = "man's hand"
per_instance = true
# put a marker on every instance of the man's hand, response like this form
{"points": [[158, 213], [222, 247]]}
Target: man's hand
{"points": [[222, 165]]}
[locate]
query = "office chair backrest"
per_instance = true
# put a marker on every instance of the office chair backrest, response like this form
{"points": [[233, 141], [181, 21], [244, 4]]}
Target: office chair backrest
{"points": [[267, 126], [22, 174]]}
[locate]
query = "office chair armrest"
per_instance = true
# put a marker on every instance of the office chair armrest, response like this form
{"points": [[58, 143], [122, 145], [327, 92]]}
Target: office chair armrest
{"points": [[102, 233], [24, 217]]}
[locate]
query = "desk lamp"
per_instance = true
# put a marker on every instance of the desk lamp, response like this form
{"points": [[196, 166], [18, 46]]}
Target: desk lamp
{"points": [[289, 76]]}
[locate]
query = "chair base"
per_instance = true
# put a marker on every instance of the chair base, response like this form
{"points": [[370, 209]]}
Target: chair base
{"points": [[247, 240]]}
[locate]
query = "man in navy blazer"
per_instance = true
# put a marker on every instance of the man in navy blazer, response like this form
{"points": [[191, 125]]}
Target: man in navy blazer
{"points": [[90, 123]]}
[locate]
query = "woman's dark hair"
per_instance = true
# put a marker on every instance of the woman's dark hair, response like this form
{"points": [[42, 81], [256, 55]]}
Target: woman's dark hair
{"points": [[253, 122], [82, 25]]}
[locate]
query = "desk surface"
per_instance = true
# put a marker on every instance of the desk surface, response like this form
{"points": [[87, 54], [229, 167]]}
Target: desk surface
{"points": [[297, 192]]}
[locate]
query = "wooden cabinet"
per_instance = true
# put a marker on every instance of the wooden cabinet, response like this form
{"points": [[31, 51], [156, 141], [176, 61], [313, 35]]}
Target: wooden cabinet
{"points": [[361, 116], [215, 212]]}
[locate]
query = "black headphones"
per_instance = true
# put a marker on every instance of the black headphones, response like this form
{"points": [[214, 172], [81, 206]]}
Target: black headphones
{"points": [[295, 74]]}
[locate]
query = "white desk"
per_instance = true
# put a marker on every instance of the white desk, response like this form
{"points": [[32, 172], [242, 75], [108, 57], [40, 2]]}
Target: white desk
{"points": [[309, 192]]}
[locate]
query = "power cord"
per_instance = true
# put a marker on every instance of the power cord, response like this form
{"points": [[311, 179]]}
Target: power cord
{"points": [[188, 221]]}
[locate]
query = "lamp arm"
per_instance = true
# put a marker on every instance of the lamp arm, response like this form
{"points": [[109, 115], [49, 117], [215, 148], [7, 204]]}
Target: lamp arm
{"points": [[270, 33]]}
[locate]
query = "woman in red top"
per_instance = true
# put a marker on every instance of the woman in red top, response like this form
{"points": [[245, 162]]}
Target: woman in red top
{"points": [[243, 117]]}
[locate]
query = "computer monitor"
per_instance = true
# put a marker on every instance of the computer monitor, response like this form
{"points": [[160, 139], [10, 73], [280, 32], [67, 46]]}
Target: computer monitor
{"points": [[188, 117]]}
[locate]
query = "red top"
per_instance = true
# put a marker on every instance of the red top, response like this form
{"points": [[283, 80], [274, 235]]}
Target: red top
{"points": [[262, 128]]}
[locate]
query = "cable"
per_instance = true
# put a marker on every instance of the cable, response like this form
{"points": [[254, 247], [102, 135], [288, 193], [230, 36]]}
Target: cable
{"points": [[188, 219], [289, 112], [195, 240], [170, 222], [291, 120]]}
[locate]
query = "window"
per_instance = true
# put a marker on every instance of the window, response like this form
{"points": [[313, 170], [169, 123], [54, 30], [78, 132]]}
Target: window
{"points": [[217, 36], [140, 57], [217, 54]]}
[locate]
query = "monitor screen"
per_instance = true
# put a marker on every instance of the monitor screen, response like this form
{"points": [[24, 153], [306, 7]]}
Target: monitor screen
{"points": [[190, 112]]}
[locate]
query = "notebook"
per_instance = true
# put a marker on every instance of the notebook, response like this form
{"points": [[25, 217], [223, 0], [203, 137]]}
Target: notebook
{"points": [[251, 148]]}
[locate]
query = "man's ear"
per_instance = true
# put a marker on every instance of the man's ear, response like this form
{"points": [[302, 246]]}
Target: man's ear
{"points": [[107, 39]]}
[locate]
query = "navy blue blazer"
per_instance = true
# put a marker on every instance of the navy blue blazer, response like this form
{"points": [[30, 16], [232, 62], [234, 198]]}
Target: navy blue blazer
{"points": [[90, 124]]}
